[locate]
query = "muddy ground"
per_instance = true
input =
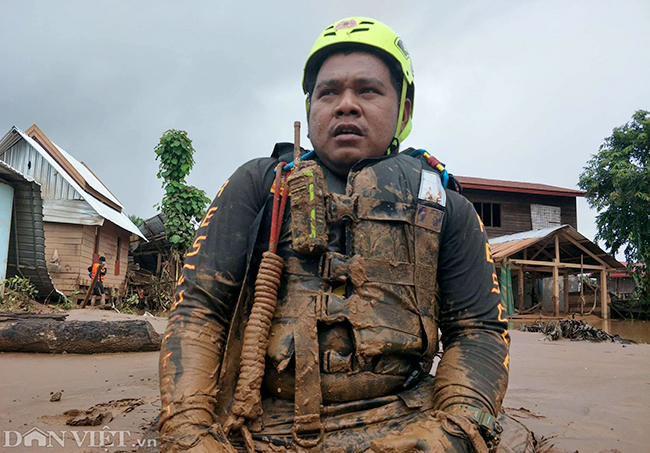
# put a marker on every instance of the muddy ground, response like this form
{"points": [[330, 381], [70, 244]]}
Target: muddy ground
{"points": [[586, 397]]}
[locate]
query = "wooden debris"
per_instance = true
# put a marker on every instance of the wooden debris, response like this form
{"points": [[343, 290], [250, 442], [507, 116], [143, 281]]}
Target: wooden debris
{"points": [[575, 330], [10, 316], [78, 337]]}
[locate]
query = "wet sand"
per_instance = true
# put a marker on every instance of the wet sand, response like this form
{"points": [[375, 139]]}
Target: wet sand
{"points": [[587, 397]]}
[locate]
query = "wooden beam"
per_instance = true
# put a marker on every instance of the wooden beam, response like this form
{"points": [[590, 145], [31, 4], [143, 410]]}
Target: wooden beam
{"points": [[566, 291], [543, 245], [584, 249], [520, 289], [604, 297], [556, 278], [553, 264]]}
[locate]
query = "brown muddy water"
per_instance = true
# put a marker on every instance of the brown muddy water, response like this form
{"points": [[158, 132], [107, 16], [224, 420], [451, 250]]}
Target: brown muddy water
{"points": [[638, 331]]}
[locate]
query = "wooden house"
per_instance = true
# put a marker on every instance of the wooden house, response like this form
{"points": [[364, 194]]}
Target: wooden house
{"points": [[622, 282], [82, 219], [508, 207], [533, 237]]}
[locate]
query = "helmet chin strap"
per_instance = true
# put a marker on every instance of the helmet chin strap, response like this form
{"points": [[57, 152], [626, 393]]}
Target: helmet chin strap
{"points": [[394, 144]]}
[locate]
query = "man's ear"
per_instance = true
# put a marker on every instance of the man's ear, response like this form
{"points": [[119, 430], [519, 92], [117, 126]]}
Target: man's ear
{"points": [[407, 113]]}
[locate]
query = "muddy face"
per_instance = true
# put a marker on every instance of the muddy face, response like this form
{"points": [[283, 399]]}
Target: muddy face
{"points": [[353, 110]]}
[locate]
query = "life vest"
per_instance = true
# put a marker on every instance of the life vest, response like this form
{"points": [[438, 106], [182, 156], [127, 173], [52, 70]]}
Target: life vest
{"points": [[94, 271], [363, 314]]}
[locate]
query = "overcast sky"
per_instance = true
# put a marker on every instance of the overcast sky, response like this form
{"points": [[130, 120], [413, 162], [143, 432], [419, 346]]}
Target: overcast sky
{"points": [[513, 90]]}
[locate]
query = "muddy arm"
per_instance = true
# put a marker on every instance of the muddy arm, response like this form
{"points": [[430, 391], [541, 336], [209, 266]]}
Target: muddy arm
{"points": [[192, 348], [474, 366]]}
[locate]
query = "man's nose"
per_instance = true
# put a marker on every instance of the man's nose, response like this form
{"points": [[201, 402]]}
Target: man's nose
{"points": [[348, 104]]}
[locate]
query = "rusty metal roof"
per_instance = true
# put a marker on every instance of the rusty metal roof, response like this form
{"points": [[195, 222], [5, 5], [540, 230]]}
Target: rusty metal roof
{"points": [[514, 186], [513, 246]]}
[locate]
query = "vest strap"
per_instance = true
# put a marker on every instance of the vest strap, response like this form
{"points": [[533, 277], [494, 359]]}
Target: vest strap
{"points": [[335, 267], [308, 393], [339, 207]]}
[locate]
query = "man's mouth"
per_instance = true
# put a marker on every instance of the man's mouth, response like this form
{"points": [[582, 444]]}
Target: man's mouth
{"points": [[347, 129]]}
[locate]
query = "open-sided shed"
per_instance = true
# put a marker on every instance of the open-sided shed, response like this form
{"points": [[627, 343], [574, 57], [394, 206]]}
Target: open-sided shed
{"points": [[555, 250]]}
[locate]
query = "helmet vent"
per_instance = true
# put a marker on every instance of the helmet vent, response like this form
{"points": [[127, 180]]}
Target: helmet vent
{"points": [[359, 29], [331, 26], [366, 23], [332, 33]]}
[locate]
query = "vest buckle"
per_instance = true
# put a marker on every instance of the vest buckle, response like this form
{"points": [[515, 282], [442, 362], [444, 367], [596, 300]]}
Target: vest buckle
{"points": [[339, 207]]}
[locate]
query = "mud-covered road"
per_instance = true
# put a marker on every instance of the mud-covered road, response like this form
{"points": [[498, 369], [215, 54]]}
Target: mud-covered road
{"points": [[586, 397]]}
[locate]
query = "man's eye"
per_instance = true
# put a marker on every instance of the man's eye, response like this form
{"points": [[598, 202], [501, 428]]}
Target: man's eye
{"points": [[327, 92], [368, 90]]}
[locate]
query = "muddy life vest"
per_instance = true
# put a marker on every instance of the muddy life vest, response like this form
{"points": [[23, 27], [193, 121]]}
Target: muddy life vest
{"points": [[359, 320]]}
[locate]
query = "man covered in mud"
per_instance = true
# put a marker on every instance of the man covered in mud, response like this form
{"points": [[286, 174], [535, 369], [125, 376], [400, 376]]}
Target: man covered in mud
{"points": [[308, 312]]}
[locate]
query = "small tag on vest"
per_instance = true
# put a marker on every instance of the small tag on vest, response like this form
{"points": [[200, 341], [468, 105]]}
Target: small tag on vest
{"points": [[429, 218], [431, 188]]}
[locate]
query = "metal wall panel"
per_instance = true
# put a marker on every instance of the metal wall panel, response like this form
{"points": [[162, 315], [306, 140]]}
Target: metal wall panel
{"points": [[24, 158]]}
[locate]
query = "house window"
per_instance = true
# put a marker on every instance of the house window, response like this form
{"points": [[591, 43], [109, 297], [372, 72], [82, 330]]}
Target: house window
{"points": [[490, 213]]}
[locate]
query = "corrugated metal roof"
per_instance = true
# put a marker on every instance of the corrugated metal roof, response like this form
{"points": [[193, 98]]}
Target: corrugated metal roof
{"points": [[512, 246], [108, 213], [27, 240], [535, 234], [24, 158], [153, 227], [515, 186], [77, 212], [89, 176]]}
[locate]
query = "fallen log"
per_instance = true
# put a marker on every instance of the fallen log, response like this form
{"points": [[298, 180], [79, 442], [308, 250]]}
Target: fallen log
{"points": [[78, 337], [9, 316]]}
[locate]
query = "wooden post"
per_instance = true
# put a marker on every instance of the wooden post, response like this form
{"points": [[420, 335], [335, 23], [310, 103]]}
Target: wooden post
{"points": [[520, 288], [556, 278], [92, 285], [582, 285], [604, 296], [566, 291]]}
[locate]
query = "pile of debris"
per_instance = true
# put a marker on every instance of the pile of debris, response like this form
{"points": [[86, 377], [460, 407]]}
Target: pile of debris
{"points": [[575, 330]]}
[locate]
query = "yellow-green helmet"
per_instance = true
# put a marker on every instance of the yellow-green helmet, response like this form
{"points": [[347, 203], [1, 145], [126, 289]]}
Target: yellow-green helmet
{"points": [[368, 32]]}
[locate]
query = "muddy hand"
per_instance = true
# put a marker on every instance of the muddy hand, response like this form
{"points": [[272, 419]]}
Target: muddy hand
{"points": [[425, 436]]}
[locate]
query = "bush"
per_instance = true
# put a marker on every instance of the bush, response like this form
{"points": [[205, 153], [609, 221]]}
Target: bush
{"points": [[19, 292]]}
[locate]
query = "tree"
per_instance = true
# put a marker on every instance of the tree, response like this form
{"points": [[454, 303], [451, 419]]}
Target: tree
{"points": [[137, 221], [617, 184], [183, 205]]}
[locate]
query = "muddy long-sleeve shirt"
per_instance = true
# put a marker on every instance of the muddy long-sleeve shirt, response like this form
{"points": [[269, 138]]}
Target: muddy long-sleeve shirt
{"points": [[474, 366]]}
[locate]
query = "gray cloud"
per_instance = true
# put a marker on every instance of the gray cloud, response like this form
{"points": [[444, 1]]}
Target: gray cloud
{"points": [[508, 90]]}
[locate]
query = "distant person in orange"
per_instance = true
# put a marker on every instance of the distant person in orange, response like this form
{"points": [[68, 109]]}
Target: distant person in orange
{"points": [[98, 290]]}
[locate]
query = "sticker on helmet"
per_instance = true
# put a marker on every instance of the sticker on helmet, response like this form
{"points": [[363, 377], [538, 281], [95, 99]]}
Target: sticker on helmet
{"points": [[402, 47], [344, 24]]}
